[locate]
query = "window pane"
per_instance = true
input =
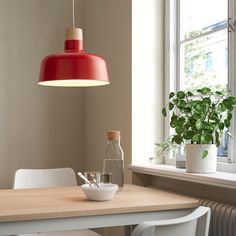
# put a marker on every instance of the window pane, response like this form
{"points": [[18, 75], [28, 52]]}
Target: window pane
{"points": [[204, 49], [204, 62], [201, 16]]}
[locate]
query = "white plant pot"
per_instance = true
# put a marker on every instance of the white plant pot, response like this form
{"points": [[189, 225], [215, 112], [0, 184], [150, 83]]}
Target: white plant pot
{"points": [[194, 161]]}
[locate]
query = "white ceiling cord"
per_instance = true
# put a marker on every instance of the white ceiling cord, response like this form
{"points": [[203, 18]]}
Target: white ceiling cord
{"points": [[73, 13]]}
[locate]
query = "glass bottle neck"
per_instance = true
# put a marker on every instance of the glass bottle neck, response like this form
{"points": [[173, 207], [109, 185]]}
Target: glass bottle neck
{"points": [[115, 142]]}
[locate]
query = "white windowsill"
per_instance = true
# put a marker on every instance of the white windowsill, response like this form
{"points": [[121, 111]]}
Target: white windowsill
{"points": [[220, 179]]}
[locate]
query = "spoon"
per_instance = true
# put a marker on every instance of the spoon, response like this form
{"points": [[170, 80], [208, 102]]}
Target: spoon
{"points": [[95, 182], [84, 178]]}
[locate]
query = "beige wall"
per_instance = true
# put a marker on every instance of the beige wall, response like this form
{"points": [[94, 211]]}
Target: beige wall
{"points": [[107, 31], [40, 127], [43, 127]]}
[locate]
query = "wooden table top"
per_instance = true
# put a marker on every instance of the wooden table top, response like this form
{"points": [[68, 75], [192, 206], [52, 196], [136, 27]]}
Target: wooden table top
{"points": [[30, 204]]}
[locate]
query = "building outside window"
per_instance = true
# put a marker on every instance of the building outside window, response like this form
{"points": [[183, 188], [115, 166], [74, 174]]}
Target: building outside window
{"points": [[202, 40]]}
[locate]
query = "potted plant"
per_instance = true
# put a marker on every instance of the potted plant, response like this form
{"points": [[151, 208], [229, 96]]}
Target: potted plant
{"points": [[199, 120], [163, 152]]}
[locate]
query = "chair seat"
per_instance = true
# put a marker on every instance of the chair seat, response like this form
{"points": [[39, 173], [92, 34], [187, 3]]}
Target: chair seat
{"points": [[82, 232]]}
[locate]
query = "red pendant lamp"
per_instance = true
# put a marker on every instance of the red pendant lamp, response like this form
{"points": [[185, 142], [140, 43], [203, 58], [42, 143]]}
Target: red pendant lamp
{"points": [[74, 67]]}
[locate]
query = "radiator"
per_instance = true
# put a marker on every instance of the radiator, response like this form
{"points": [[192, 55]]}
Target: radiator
{"points": [[223, 218]]}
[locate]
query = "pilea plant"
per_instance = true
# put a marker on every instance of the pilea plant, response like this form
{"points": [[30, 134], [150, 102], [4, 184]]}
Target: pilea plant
{"points": [[201, 117]]}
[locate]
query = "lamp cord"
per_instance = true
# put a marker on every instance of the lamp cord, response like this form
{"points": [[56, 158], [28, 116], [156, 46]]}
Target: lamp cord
{"points": [[73, 13]]}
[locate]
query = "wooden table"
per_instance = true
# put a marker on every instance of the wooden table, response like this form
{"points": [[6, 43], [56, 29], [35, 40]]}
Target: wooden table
{"points": [[54, 209]]}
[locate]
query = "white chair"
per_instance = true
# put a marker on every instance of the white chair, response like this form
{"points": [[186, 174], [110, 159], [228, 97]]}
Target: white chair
{"points": [[194, 224], [46, 178]]}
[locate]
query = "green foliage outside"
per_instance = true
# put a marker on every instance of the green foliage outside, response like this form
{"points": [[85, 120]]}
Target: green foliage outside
{"points": [[195, 54]]}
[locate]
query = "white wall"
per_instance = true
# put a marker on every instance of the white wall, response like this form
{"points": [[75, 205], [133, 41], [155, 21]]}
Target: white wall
{"points": [[147, 77], [40, 127]]}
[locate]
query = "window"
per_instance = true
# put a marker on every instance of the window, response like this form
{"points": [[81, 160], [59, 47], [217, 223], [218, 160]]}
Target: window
{"points": [[200, 40], [208, 62]]}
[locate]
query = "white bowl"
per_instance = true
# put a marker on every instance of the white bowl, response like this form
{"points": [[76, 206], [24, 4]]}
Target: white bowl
{"points": [[105, 192]]}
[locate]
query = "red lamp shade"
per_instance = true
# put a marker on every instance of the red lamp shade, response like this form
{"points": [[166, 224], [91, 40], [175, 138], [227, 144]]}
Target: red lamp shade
{"points": [[75, 67]]}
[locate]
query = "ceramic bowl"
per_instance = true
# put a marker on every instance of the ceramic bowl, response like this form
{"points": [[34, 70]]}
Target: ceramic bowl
{"points": [[105, 192]]}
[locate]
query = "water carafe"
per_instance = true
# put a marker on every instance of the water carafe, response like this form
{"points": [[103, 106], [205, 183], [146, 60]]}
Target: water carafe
{"points": [[114, 158]]}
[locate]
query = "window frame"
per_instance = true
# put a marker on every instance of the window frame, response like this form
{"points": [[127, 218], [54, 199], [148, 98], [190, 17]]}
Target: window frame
{"points": [[172, 62]]}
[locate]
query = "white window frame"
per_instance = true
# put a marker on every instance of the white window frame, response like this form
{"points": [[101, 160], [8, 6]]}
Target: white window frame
{"points": [[172, 62]]}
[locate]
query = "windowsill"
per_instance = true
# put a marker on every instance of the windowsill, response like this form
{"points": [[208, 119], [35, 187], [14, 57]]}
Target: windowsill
{"points": [[220, 179]]}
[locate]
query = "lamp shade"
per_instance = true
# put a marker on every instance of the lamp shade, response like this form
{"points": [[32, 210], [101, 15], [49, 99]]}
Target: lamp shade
{"points": [[75, 67]]}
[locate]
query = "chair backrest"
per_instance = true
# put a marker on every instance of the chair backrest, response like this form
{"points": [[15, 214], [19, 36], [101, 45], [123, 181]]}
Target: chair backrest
{"points": [[44, 178], [194, 224]]}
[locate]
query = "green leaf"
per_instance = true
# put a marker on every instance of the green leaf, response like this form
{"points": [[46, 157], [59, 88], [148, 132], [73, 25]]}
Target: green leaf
{"points": [[182, 103], [192, 121], [219, 93], [187, 109], [190, 94], [204, 154], [229, 117], [174, 123], [171, 95], [175, 101], [205, 90], [227, 123], [174, 117], [199, 124], [164, 112], [209, 127], [221, 107], [227, 103], [171, 106], [196, 138], [177, 139], [217, 142], [180, 95], [232, 100], [199, 107], [187, 125], [217, 139], [197, 116], [188, 135], [206, 138], [179, 129], [206, 100], [221, 125], [181, 120]]}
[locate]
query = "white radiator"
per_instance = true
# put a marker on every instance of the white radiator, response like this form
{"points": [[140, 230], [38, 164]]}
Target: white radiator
{"points": [[223, 218]]}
